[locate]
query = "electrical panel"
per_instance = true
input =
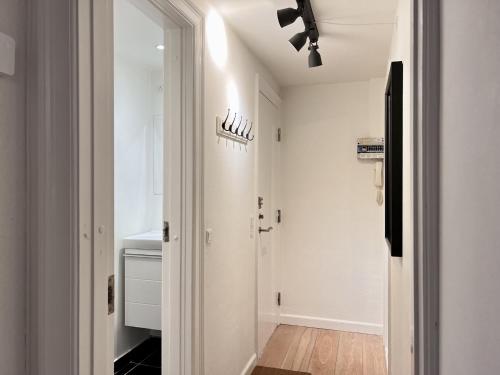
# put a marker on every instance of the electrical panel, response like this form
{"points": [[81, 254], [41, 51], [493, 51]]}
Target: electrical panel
{"points": [[371, 148]]}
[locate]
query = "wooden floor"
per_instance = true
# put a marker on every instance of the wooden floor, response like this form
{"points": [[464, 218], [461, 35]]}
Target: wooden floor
{"points": [[323, 352]]}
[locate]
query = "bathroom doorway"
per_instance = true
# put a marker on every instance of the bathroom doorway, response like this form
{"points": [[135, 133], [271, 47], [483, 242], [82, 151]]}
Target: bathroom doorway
{"points": [[140, 123], [145, 187]]}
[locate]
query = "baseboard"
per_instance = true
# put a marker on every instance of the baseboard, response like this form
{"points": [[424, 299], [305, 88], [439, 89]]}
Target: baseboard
{"points": [[252, 362], [334, 324], [386, 357]]}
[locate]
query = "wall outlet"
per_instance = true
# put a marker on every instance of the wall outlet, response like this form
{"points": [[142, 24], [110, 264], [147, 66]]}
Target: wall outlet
{"points": [[7, 55]]}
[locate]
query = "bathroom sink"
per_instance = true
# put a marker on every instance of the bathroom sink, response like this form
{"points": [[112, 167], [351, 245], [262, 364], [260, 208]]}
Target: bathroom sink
{"points": [[144, 241]]}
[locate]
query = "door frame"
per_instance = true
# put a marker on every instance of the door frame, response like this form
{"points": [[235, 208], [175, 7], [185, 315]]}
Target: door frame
{"points": [[264, 88], [96, 165], [426, 119]]}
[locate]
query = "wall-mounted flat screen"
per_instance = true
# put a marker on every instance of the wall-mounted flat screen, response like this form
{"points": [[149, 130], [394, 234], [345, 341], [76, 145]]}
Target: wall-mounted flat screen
{"points": [[394, 160]]}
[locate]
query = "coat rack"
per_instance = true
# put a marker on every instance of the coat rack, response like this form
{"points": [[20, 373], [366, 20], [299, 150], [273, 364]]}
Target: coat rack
{"points": [[234, 128]]}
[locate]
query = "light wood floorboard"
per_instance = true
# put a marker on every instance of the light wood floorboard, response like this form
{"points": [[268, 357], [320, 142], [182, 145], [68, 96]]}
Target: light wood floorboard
{"points": [[277, 347], [350, 354], [373, 355], [324, 356], [324, 352]]}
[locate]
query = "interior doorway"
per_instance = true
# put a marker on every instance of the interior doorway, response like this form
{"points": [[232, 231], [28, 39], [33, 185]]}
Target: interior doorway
{"points": [[143, 113], [144, 180]]}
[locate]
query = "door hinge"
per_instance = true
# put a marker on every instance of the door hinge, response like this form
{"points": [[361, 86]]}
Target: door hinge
{"points": [[166, 232], [278, 138], [111, 294], [278, 299], [278, 216]]}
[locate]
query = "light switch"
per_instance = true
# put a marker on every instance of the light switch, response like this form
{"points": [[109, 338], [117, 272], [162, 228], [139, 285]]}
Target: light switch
{"points": [[7, 55], [208, 236]]}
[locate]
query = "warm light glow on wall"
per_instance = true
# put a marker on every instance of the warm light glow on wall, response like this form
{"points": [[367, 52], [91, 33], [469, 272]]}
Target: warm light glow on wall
{"points": [[233, 97], [217, 38]]}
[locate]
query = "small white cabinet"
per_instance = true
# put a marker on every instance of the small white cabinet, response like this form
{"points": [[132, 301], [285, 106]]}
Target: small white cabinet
{"points": [[143, 286]]}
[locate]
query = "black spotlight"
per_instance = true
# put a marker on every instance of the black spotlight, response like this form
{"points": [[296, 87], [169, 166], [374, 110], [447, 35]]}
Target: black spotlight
{"points": [[288, 16], [299, 40], [314, 56]]}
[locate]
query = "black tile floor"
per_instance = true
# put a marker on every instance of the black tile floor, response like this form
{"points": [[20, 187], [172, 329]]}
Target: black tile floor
{"points": [[143, 360]]}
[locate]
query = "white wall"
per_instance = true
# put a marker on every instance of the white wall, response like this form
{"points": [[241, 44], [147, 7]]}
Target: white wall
{"points": [[230, 282], [13, 196], [137, 208], [333, 228], [401, 269], [470, 186], [51, 140]]}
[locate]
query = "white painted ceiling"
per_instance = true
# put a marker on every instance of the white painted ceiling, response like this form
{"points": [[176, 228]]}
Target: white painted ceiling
{"points": [[350, 53], [137, 35]]}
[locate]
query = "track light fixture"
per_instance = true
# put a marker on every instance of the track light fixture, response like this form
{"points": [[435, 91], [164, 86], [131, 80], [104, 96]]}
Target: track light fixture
{"points": [[289, 15], [314, 56], [299, 40]]}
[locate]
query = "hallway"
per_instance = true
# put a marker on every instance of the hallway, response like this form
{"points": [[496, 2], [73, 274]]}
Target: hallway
{"points": [[322, 352], [216, 175]]}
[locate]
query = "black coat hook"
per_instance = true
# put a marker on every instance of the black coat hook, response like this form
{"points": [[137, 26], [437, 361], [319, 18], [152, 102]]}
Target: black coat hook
{"points": [[243, 130], [235, 131], [248, 134], [230, 129], [225, 121]]}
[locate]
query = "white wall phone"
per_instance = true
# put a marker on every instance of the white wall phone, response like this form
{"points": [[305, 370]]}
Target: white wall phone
{"points": [[379, 181], [378, 174]]}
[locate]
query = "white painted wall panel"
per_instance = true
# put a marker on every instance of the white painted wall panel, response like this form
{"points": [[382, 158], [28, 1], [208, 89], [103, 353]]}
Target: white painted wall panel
{"points": [[13, 196], [470, 186], [332, 233], [230, 201], [50, 139]]}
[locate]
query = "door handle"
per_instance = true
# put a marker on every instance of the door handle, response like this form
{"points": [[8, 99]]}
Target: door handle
{"points": [[265, 230]]}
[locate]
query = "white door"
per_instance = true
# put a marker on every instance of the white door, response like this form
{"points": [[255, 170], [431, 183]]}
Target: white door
{"points": [[267, 234], [173, 188]]}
